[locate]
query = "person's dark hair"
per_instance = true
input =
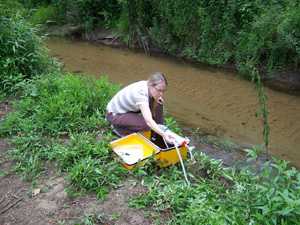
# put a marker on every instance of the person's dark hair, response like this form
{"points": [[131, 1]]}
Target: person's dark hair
{"points": [[156, 78]]}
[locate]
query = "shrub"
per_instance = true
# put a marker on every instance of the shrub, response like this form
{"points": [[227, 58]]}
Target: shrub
{"points": [[22, 53], [44, 15], [89, 13]]}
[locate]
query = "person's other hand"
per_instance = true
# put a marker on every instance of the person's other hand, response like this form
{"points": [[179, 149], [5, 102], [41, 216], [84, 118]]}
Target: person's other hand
{"points": [[169, 138]]}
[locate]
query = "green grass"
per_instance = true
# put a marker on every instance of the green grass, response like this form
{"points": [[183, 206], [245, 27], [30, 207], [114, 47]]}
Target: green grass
{"points": [[59, 119], [57, 104], [226, 196]]}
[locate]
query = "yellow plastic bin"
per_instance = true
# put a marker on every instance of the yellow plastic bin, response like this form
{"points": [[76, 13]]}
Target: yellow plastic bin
{"points": [[133, 150], [136, 148], [169, 156]]}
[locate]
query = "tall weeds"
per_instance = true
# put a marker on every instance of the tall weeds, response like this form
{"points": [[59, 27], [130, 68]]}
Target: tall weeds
{"points": [[22, 53]]}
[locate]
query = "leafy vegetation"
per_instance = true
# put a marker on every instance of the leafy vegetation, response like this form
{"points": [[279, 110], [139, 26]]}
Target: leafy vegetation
{"points": [[56, 107], [22, 53], [44, 15], [225, 196], [260, 33], [59, 118], [58, 104], [216, 196]]}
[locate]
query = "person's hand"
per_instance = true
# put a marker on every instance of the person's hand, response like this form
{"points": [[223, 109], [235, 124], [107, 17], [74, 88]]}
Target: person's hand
{"points": [[169, 138]]}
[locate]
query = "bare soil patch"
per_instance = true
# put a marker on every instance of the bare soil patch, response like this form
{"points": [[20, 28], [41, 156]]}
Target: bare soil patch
{"points": [[5, 107], [48, 202]]}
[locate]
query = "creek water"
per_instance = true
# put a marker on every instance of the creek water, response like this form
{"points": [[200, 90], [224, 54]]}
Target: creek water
{"points": [[214, 100]]}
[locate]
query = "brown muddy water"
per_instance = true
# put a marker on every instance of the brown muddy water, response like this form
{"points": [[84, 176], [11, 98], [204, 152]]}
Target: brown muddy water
{"points": [[214, 100]]}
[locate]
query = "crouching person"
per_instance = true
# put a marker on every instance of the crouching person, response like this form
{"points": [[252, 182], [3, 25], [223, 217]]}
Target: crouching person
{"points": [[139, 107]]}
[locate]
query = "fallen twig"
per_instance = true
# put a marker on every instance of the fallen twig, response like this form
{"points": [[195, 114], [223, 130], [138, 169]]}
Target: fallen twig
{"points": [[7, 207]]}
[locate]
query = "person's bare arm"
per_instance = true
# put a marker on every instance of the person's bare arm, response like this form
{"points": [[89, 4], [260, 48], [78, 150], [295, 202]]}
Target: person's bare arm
{"points": [[145, 110]]}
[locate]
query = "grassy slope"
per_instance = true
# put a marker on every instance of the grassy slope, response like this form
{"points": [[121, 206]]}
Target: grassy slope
{"points": [[60, 118]]}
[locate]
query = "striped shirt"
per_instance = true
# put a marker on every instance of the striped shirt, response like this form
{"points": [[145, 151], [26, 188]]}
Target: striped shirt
{"points": [[129, 98]]}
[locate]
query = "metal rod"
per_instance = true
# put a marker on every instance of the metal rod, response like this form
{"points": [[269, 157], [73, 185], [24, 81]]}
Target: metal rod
{"points": [[182, 165], [166, 143]]}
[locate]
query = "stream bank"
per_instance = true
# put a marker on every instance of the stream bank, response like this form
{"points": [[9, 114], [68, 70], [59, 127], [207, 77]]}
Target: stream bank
{"points": [[216, 101], [286, 81]]}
